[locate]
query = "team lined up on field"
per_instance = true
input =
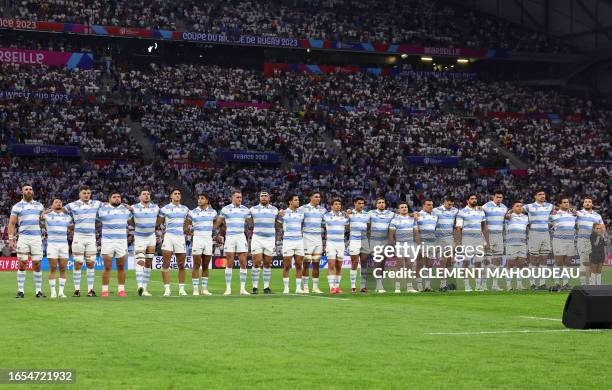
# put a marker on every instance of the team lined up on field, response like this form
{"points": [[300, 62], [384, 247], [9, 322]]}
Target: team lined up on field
{"points": [[514, 232]]}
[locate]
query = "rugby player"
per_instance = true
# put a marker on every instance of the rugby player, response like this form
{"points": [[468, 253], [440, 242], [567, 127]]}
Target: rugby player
{"points": [[201, 219], [495, 212], [313, 241], [292, 221], [427, 222], [563, 225], [471, 231], [380, 218], [114, 217], [539, 236], [57, 225], [336, 223], [26, 216], [144, 218], [359, 224], [263, 243], [446, 213], [173, 217], [516, 242], [587, 220], [404, 229]]}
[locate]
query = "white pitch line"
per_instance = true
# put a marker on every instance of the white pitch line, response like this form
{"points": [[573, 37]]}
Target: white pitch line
{"points": [[540, 318], [513, 331], [319, 296]]}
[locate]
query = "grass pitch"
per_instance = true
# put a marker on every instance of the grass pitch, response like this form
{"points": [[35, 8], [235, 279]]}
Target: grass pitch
{"points": [[454, 340]]}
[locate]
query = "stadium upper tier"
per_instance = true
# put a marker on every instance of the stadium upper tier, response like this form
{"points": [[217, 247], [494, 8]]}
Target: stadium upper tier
{"points": [[416, 22], [344, 134]]}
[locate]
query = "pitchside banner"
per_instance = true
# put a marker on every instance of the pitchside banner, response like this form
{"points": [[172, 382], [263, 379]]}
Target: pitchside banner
{"points": [[11, 264], [219, 262], [49, 58]]}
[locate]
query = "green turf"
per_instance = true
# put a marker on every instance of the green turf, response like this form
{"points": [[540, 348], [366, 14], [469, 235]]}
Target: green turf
{"points": [[281, 342]]}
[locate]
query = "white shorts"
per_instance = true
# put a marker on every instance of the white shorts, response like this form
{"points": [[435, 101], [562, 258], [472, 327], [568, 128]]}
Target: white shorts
{"points": [[445, 242], [175, 244], [334, 251], [563, 247], [496, 244], [313, 245], [293, 248], [265, 245], [367, 247], [515, 251], [539, 243], [114, 248], [202, 246], [235, 244], [84, 245], [584, 250], [142, 243], [57, 251], [474, 243], [31, 245], [357, 247]]}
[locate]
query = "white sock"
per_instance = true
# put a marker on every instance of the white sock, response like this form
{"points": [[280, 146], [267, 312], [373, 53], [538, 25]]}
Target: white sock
{"points": [[204, 283], [255, 277], [267, 273], [21, 276], [195, 282], [298, 283], [419, 283], [104, 287], [427, 282], [120, 288], [598, 279], [38, 281], [146, 277], [565, 278], [398, 285], [305, 281], [181, 286], [542, 280], [139, 275], [338, 280], [331, 280], [243, 278], [363, 279], [379, 284], [228, 278], [52, 285], [286, 283], [442, 283], [353, 275], [62, 284], [593, 279], [167, 287], [532, 280], [315, 283], [76, 279], [91, 277], [466, 284]]}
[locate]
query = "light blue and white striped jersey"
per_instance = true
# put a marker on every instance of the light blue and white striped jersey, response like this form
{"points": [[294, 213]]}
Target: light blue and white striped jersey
{"points": [[495, 216], [586, 220], [446, 221], [292, 225], [174, 218], [516, 229], [235, 219], [427, 224], [564, 225], [114, 221], [28, 217], [202, 221], [313, 219], [358, 221], [84, 216], [264, 218], [57, 227], [379, 224], [470, 220], [402, 227], [538, 216], [145, 219], [335, 226]]}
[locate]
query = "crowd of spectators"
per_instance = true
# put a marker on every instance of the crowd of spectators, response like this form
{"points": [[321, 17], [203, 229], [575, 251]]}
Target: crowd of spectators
{"points": [[421, 22]]}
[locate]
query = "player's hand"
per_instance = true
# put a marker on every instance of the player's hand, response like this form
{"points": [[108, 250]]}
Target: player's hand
{"points": [[554, 212], [415, 215], [281, 213], [12, 244]]}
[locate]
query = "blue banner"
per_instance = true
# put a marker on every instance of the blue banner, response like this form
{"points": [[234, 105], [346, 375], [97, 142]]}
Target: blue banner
{"points": [[246, 156], [440, 161], [45, 150]]}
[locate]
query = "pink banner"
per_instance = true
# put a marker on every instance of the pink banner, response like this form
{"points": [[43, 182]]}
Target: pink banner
{"points": [[49, 58]]}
